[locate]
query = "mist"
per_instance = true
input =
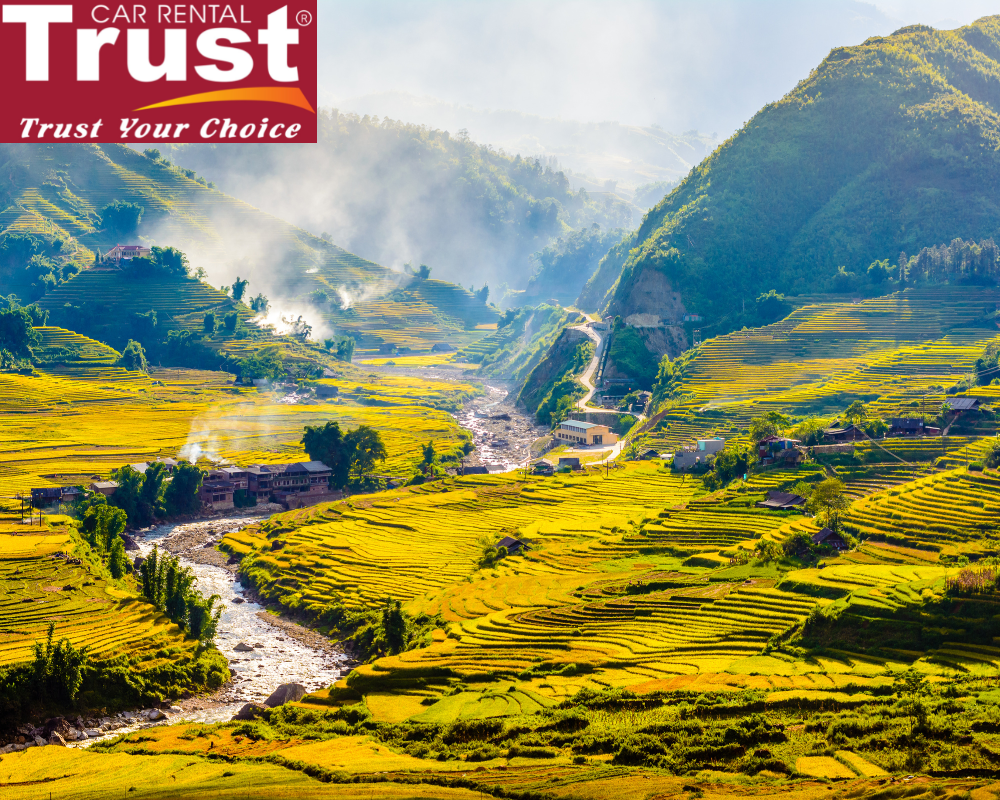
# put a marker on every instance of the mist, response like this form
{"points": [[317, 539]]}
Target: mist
{"points": [[705, 66]]}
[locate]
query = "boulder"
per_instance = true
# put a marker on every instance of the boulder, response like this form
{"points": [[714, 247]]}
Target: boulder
{"points": [[156, 715], [92, 733], [238, 600], [56, 738], [39, 742], [251, 711], [286, 693], [131, 545], [243, 647]]}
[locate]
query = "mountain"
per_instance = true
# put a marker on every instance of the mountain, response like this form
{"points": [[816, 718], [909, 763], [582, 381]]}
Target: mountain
{"points": [[884, 149], [397, 193], [55, 221], [627, 156]]}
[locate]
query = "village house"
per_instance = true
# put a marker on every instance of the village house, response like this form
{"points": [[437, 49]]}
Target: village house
{"points": [[46, 496], [912, 426], [700, 454], [783, 501], [216, 492], [512, 545], [107, 488], [964, 404], [543, 467], [585, 433], [850, 433], [778, 449], [569, 461], [830, 539], [126, 252]]}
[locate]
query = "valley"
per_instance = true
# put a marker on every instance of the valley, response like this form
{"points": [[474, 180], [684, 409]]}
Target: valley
{"points": [[706, 508]]}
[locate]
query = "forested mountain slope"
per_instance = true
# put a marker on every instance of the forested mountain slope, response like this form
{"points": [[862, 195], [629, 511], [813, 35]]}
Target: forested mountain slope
{"points": [[886, 148], [395, 192], [54, 223]]}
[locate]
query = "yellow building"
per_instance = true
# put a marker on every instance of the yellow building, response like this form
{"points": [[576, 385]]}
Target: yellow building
{"points": [[585, 433]]}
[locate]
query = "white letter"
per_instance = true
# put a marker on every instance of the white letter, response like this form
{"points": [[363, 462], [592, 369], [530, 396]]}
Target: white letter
{"points": [[36, 21], [27, 123], [97, 125], [208, 46], [205, 133], [293, 131], [277, 37], [93, 15], [127, 126], [88, 51], [174, 65]]}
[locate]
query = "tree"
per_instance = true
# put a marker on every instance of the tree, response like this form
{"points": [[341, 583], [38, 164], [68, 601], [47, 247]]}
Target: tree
{"points": [[133, 357], [771, 306], [264, 363], [828, 497], [118, 560], [991, 458], [121, 218], [424, 272], [429, 456], [327, 444], [169, 586], [152, 153], [17, 334], [394, 627], [57, 670], [879, 272], [231, 320], [259, 304], [152, 488], [16, 250], [239, 287], [483, 294], [345, 349], [181, 494], [366, 448], [102, 526], [761, 428], [855, 413], [209, 322], [126, 496]]}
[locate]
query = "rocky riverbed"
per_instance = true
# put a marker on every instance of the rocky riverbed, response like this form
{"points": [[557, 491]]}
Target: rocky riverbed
{"points": [[501, 432]]}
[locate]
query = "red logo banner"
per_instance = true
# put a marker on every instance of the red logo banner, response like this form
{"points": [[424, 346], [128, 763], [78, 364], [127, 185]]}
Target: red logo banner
{"points": [[156, 72]]}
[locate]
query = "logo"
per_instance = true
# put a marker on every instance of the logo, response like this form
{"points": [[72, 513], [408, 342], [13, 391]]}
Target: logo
{"points": [[147, 73]]}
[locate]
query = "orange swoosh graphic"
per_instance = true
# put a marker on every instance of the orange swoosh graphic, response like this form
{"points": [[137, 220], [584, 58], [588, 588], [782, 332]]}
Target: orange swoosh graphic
{"points": [[270, 94]]}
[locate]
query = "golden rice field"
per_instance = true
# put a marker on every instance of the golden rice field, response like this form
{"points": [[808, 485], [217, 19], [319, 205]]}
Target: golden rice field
{"points": [[38, 586], [57, 430], [629, 578], [898, 353]]}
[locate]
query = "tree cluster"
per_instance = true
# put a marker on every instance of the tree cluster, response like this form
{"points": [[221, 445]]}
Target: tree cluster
{"points": [[169, 586], [350, 455]]}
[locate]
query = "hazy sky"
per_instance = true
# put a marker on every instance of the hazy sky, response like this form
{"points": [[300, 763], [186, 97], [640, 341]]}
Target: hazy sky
{"points": [[683, 64]]}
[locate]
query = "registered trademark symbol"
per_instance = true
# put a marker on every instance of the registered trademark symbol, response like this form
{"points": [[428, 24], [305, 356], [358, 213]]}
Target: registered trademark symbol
{"points": [[304, 18]]}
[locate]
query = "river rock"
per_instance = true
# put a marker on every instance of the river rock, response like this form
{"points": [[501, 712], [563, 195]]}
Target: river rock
{"points": [[243, 647], [156, 715], [39, 742], [57, 739], [131, 544], [286, 693], [251, 711], [238, 600], [92, 733]]}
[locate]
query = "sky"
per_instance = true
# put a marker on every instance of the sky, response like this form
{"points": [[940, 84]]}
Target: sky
{"points": [[683, 65]]}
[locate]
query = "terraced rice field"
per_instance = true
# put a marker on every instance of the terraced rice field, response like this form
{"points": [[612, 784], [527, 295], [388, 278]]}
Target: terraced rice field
{"points": [[38, 586], [59, 429], [899, 353]]}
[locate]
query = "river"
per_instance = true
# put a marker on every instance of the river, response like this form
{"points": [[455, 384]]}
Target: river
{"points": [[276, 657]]}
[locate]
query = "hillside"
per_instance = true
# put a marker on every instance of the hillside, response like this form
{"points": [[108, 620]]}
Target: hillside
{"points": [[55, 193], [886, 148], [397, 193]]}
